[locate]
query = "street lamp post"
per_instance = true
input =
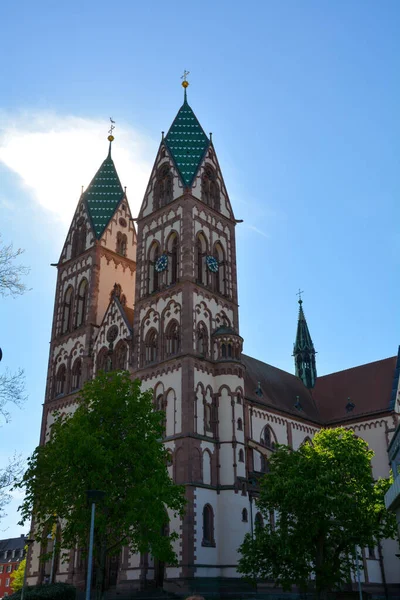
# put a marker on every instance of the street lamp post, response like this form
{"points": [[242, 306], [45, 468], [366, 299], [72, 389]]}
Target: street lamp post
{"points": [[92, 496], [28, 542]]}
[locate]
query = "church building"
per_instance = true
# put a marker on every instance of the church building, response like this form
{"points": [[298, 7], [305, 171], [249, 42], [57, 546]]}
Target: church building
{"points": [[157, 294]]}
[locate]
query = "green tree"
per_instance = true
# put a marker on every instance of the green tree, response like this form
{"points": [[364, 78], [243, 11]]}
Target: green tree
{"points": [[111, 443], [17, 577], [326, 503]]}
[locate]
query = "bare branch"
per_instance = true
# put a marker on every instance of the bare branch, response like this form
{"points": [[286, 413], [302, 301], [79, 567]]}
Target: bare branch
{"points": [[11, 273], [10, 475], [12, 387]]}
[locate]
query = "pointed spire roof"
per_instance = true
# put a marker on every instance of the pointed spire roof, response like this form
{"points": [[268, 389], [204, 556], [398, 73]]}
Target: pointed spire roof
{"points": [[303, 337], [186, 142], [103, 195]]}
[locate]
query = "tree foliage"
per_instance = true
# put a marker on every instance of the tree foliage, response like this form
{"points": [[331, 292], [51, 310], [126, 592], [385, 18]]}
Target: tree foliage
{"points": [[111, 443], [326, 503], [17, 577]]}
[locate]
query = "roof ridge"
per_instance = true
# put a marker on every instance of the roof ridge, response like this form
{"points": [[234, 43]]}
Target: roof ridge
{"points": [[357, 366]]}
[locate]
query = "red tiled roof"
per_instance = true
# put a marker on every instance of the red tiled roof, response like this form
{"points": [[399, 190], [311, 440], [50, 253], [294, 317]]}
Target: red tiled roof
{"points": [[369, 388]]}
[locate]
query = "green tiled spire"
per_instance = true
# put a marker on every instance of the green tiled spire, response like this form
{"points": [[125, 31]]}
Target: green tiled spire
{"points": [[304, 351], [103, 195], [187, 143]]}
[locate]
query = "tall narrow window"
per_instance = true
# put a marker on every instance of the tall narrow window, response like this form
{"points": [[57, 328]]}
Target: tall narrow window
{"points": [[151, 346], [76, 375], [81, 303], [201, 251], [172, 249], [102, 362], [122, 242], [267, 437], [240, 424], [209, 188], [67, 310], [172, 338], [241, 455], [79, 238], [154, 276], [208, 526], [60, 380], [259, 521], [163, 189], [202, 339], [220, 275], [244, 515], [207, 417], [121, 356]]}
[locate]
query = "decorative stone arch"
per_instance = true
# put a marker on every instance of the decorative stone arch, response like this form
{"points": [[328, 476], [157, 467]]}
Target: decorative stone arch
{"points": [[60, 380], [307, 440], [268, 437], [151, 346], [172, 339]]}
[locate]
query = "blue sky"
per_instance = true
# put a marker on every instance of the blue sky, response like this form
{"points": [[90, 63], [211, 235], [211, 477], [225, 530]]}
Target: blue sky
{"points": [[302, 99]]}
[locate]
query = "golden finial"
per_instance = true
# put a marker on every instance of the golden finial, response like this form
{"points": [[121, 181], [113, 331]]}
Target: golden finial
{"points": [[185, 83], [110, 131]]}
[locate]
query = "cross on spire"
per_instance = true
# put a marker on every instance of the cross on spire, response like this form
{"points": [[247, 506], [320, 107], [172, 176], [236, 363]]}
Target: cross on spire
{"points": [[299, 293]]}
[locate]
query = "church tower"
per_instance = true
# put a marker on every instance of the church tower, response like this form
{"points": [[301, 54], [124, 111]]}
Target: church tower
{"points": [[99, 253], [187, 346], [304, 352]]}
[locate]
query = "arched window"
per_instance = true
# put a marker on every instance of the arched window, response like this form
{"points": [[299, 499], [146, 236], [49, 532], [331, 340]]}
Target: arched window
{"points": [[160, 406], [220, 276], [76, 375], [172, 338], [207, 417], [223, 350], [60, 380], [241, 455], [151, 346], [240, 424], [209, 188], [267, 437], [163, 189], [229, 350], [172, 249], [202, 339], [239, 398], [208, 526], [67, 310], [122, 243], [244, 515], [102, 361], [79, 239], [154, 277], [258, 521], [120, 356], [264, 464], [81, 303], [201, 251]]}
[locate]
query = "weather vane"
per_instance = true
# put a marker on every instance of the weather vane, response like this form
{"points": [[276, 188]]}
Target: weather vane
{"points": [[110, 131], [299, 293], [185, 83]]}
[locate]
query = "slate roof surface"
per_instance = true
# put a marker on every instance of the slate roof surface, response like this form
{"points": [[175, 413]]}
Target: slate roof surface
{"points": [[280, 390], [103, 195], [187, 143], [369, 388], [11, 544]]}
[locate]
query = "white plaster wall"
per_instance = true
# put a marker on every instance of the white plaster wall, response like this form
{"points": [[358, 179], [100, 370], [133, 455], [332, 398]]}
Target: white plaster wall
{"points": [[374, 433], [231, 528]]}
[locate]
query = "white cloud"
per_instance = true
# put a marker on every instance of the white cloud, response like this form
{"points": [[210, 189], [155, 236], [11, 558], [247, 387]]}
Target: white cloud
{"points": [[55, 155]]}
